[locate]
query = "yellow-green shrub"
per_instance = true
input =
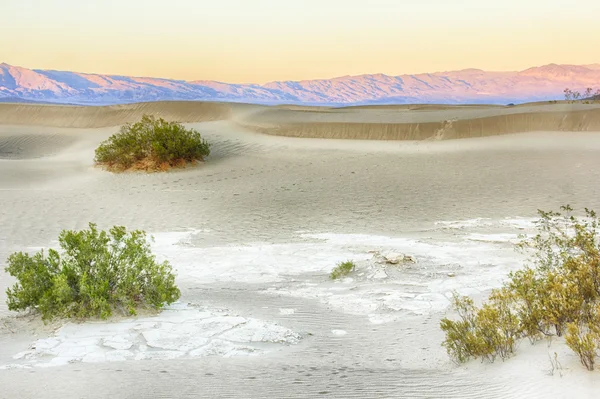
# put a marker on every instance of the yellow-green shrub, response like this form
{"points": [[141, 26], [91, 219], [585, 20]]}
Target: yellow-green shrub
{"points": [[561, 293], [585, 341], [487, 332]]}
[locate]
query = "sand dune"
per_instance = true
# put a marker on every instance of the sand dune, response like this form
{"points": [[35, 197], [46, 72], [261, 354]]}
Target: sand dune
{"points": [[402, 122], [424, 122], [94, 117], [255, 231], [446, 129]]}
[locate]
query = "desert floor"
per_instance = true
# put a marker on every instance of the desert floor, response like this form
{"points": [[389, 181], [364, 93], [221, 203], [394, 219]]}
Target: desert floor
{"points": [[254, 232]]}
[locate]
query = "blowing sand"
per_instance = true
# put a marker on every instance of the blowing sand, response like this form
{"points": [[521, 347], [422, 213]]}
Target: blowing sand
{"points": [[254, 232]]}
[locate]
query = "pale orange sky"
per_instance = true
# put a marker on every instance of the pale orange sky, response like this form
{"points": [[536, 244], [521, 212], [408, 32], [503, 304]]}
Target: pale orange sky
{"points": [[265, 40]]}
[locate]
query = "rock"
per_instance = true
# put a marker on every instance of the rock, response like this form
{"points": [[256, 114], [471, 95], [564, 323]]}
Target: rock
{"points": [[394, 258]]}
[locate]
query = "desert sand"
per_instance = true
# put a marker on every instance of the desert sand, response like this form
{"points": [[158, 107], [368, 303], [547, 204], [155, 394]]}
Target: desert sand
{"points": [[254, 232]]}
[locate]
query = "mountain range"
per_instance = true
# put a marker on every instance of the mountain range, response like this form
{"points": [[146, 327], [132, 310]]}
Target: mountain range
{"points": [[453, 87]]}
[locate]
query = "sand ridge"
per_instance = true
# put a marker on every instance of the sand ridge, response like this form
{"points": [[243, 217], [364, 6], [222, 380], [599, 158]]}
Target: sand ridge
{"points": [[402, 122], [113, 115]]}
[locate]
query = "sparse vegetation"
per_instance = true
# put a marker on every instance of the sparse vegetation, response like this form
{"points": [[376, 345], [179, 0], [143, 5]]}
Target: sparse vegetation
{"points": [[589, 96], [559, 295], [96, 273], [152, 145], [342, 269]]}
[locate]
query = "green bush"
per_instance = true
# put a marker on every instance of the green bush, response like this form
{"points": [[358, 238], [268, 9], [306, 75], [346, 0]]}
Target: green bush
{"points": [[342, 269], [96, 273], [152, 144], [559, 295]]}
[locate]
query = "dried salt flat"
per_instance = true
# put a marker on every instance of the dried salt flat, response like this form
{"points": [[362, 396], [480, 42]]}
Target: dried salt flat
{"points": [[470, 263], [180, 331], [386, 293]]}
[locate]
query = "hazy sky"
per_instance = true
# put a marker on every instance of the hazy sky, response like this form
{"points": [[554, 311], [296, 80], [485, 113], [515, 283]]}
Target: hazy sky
{"points": [[265, 40]]}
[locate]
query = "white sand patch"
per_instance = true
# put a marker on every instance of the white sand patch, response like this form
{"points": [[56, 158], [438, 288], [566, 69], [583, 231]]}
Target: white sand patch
{"points": [[520, 223], [179, 331], [432, 256], [470, 264], [386, 293], [249, 263], [276, 262], [339, 332], [497, 237], [465, 224]]}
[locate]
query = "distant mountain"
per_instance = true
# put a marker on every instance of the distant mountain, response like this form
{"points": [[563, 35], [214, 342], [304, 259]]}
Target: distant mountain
{"points": [[26, 101], [453, 87]]}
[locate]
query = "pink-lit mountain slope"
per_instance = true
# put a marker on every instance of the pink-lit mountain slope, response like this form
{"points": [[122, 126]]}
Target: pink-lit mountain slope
{"points": [[453, 87]]}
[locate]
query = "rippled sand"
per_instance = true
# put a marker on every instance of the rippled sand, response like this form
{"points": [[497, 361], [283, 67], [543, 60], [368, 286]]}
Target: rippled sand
{"points": [[254, 232]]}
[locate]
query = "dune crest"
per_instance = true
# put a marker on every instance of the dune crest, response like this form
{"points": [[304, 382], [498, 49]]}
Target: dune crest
{"points": [[112, 115]]}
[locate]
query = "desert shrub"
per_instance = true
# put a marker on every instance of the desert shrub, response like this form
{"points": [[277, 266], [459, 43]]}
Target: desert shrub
{"points": [[584, 340], [95, 273], [559, 294], [461, 340], [152, 144], [488, 332], [342, 269], [499, 320], [589, 96], [525, 286]]}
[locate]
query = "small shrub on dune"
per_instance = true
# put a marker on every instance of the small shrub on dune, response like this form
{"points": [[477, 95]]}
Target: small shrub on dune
{"points": [[342, 269], [152, 145], [487, 333], [96, 272], [589, 96], [559, 296], [461, 341], [585, 341]]}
